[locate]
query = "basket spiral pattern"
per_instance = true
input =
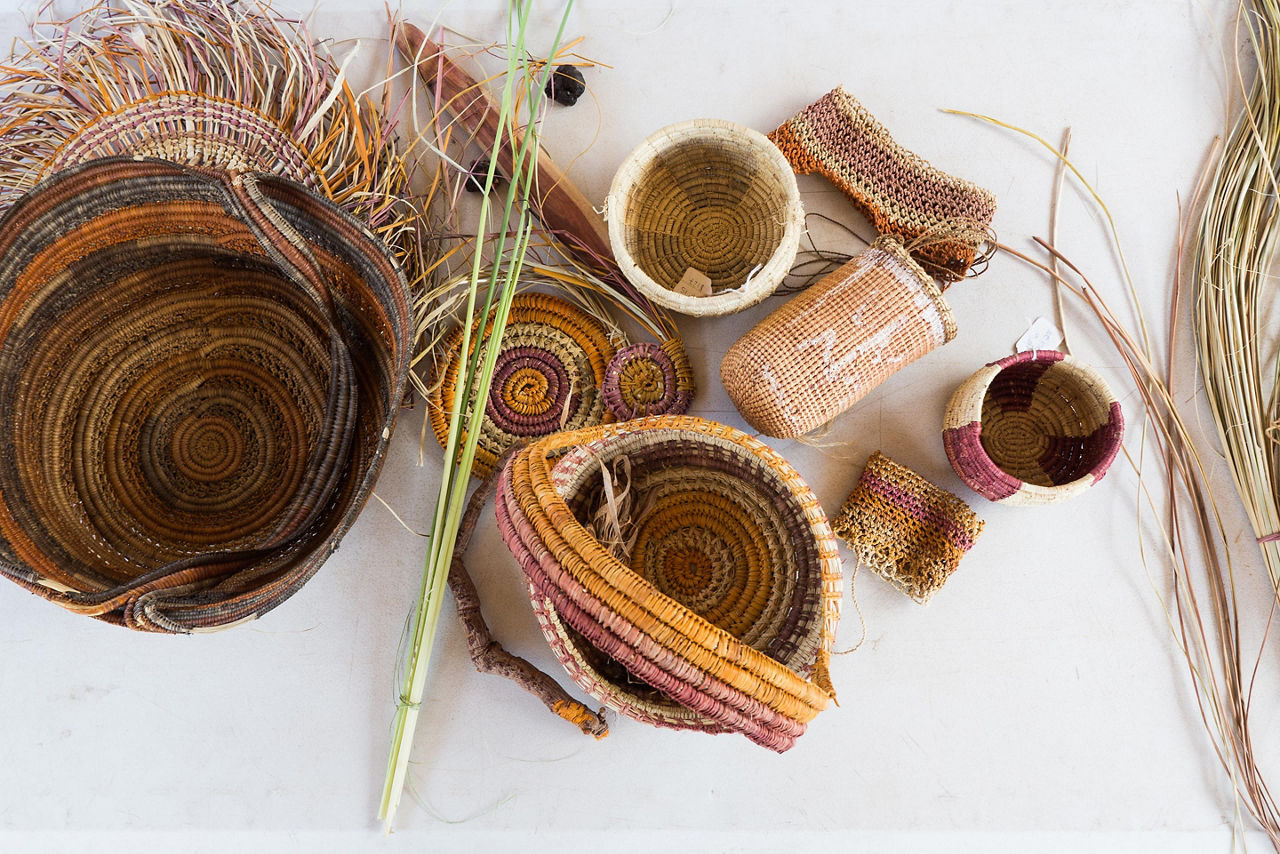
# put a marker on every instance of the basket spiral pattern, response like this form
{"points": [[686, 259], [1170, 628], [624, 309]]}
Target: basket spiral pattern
{"points": [[711, 196], [722, 616], [1038, 427], [547, 378], [199, 375], [648, 379]]}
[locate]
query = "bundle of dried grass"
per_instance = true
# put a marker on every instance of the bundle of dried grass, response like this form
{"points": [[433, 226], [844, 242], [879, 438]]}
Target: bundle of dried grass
{"points": [[1231, 255]]}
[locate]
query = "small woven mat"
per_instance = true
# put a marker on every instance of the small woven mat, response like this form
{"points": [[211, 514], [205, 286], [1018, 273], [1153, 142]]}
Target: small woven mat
{"points": [[897, 190], [907, 530], [199, 376], [822, 351], [1034, 428]]}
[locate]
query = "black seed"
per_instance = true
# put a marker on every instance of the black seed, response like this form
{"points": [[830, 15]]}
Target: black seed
{"points": [[566, 85]]}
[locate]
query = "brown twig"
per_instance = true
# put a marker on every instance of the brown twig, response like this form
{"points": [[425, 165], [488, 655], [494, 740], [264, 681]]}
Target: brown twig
{"points": [[487, 654]]}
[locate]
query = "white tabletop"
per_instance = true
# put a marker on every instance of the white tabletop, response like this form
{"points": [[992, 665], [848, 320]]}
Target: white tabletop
{"points": [[1037, 704]]}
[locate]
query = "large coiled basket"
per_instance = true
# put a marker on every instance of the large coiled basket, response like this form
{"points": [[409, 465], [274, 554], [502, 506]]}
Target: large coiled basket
{"points": [[719, 613], [199, 375]]}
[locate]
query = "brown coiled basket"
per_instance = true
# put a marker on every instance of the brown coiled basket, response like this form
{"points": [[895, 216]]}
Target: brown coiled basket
{"points": [[199, 375], [719, 612]]}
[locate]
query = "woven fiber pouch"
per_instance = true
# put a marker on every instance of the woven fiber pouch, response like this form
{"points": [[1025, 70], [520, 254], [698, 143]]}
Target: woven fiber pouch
{"points": [[709, 199], [722, 615], [897, 190], [199, 376], [907, 530], [822, 351], [1038, 427]]}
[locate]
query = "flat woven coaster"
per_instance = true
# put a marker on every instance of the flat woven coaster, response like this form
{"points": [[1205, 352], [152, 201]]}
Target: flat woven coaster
{"points": [[909, 531]]}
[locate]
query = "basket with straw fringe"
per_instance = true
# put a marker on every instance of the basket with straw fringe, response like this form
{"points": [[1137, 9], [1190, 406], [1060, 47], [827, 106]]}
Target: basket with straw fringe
{"points": [[683, 573], [199, 375], [229, 86]]}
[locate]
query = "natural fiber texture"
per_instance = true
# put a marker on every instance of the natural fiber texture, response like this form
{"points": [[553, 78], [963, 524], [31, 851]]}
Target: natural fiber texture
{"points": [[731, 592], [1035, 428], [547, 378], [198, 379], [649, 379], [907, 530], [220, 85], [709, 196], [822, 351], [897, 190]]}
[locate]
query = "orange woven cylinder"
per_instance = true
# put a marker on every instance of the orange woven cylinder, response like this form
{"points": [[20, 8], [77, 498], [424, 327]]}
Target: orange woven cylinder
{"points": [[820, 353]]}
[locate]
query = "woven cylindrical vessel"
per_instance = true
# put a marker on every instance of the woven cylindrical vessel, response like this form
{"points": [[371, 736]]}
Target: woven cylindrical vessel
{"points": [[821, 352], [199, 375], [1038, 427], [705, 200], [717, 611]]}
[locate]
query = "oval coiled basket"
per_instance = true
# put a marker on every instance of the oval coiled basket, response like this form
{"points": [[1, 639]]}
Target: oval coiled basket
{"points": [[199, 376], [716, 607]]}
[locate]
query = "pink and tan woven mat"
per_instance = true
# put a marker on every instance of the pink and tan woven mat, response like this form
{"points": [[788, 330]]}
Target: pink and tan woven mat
{"points": [[907, 530]]}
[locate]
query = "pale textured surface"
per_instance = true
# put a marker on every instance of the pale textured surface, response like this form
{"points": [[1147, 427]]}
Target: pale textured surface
{"points": [[1036, 699]]}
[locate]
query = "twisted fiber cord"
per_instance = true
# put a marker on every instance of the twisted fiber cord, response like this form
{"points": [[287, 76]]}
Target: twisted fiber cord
{"points": [[824, 350], [553, 360], [909, 531], [487, 654], [661, 641], [901, 193], [1033, 428], [208, 529]]}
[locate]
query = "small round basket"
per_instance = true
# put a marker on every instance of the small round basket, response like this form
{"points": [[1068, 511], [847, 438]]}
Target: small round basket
{"points": [[712, 602], [1036, 428], [199, 375], [705, 199]]}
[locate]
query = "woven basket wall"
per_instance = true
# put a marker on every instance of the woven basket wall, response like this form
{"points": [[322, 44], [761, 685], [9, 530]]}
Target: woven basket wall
{"points": [[823, 350], [199, 376], [721, 616], [1039, 427], [710, 196]]}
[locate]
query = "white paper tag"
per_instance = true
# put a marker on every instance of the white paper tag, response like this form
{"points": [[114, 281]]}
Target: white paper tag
{"points": [[1040, 335], [694, 283]]}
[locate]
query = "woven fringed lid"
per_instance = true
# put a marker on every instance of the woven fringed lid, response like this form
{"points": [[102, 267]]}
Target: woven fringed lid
{"points": [[705, 199], [199, 375], [1035, 428], [710, 605]]}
